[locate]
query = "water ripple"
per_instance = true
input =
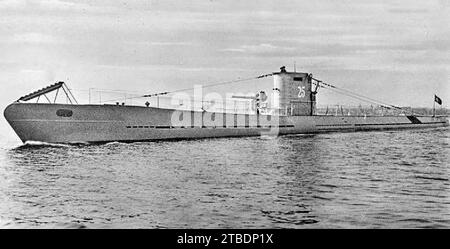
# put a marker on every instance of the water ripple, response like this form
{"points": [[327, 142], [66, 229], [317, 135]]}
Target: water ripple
{"points": [[339, 180]]}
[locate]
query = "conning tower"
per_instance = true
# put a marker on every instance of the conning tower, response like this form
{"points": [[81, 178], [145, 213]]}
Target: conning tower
{"points": [[293, 94]]}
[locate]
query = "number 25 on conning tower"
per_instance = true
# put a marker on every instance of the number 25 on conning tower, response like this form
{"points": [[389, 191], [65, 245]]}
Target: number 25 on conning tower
{"points": [[301, 92]]}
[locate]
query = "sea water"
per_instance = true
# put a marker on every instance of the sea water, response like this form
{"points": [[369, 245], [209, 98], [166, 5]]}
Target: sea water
{"points": [[385, 179]]}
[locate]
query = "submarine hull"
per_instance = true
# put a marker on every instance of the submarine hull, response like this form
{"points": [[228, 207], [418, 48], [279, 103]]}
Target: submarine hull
{"points": [[67, 123]]}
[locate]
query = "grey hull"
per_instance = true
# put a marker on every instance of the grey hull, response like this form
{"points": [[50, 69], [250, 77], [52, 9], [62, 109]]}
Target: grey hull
{"points": [[64, 123]]}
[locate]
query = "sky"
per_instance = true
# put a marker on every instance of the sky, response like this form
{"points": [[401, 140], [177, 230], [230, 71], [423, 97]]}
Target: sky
{"points": [[396, 51]]}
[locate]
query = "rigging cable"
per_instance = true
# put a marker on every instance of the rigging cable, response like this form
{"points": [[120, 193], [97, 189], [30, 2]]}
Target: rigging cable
{"points": [[191, 88], [321, 83], [358, 96]]}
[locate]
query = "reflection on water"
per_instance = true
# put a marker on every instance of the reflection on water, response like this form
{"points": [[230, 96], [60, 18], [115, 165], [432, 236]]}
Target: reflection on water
{"points": [[341, 180]]}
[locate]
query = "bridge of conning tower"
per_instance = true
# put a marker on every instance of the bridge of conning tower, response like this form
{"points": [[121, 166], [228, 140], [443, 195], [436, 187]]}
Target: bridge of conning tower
{"points": [[293, 93]]}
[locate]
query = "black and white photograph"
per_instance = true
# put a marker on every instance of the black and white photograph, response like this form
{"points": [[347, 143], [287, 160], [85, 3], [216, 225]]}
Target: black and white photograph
{"points": [[215, 114]]}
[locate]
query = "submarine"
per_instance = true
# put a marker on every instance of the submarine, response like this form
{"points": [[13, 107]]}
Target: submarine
{"points": [[292, 110]]}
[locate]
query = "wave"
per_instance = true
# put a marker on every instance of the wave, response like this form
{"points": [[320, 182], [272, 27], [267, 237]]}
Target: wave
{"points": [[79, 143], [40, 144], [268, 137], [432, 178], [113, 143], [36, 144]]}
